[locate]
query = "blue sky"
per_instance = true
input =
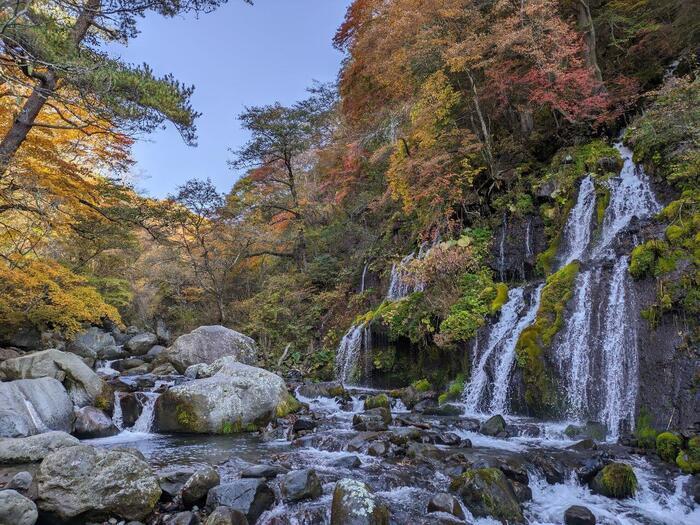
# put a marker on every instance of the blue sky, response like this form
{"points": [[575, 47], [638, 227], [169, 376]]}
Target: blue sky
{"points": [[238, 56]]}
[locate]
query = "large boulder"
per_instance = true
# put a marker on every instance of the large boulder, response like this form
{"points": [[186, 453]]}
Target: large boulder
{"points": [[206, 344], [327, 389], [235, 398], [226, 516], [15, 509], [197, 487], [616, 480], [252, 497], [16, 451], [8, 353], [89, 484], [92, 344], [493, 426], [354, 504], [487, 492], [84, 386], [91, 422], [32, 406], [141, 343], [300, 484]]}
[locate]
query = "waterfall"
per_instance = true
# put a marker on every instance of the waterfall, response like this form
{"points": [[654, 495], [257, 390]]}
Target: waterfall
{"points": [[506, 356], [619, 351], [573, 353], [630, 196], [506, 325], [117, 416], [145, 421], [577, 232], [398, 288], [348, 353], [528, 239], [364, 274]]}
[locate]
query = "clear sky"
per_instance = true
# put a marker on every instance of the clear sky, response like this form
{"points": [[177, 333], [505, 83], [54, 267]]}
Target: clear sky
{"points": [[239, 55]]}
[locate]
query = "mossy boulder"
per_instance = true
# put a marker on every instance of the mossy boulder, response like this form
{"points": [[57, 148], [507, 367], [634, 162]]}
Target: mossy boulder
{"points": [[378, 401], [591, 430], [689, 460], [487, 492], [616, 480], [354, 504], [236, 398], [668, 445], [493, 426]]}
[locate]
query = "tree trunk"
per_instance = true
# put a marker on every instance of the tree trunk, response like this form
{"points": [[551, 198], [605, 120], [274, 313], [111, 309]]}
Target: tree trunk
{"points": [[586, 21], [44, 89]]}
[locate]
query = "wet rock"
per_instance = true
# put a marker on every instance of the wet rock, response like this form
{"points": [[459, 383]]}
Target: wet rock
{"points": [[91, 483], [554, 472], [94, 343], [15, 451], [616, 480], [493, 426], [252, 497], [236, 398], [207, 344], [377, 449], [514, 471], [195, 490], [226, 516], [263, 471], [171, 483], [84, 386], [349, 462], [590, 467], [328, 389], [375, 420], [32, 406], [426, 404], [21, 481], [8, 353], [470, 425], [182, 518], [164, 369], [304, 425], [693, 489], [380, 400], [140, 344], [446, 409], [522, 492], [578, 515], [300, 484], [16, 509], [138, 371], [447, 503], [354, 504], [584, 444], [448, 438], [423, 451], [91, 422], [402, 436], [487, 492], [361, 441], [127, 364], [591, 430]]}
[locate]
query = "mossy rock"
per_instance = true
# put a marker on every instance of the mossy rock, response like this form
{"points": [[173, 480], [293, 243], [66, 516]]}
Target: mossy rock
{"points": [[616, 480], [689, 460], [501, 297], [422, 385], [378, 401], [668, 445], [487, 492], [289, 405], [591, 429]]}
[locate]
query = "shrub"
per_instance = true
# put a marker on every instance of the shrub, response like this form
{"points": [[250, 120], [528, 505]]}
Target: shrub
{"points": [[668, 445]]}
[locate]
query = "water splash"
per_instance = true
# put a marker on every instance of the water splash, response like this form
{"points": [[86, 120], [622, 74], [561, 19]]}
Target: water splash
{"points": [[577, 232], [506, 356], [117, 415], [620, 353], [144, 423]]}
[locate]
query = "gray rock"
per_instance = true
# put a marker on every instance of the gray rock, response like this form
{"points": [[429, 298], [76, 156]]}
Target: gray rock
{"points": [[263, 471], [164, 369], [206, 344], [21, 481], [374, 420], [8, 353], [300, 484], [235, 398], [15, 451], [349, 462], [32, 406], [493, 426], [487, 492], [91, 483], [252, 497], [553, 470], [195, 490], [591, 430], [447, 503], [92, 344], [128, 364], [171, 483], [446, 409], [226, 516], [140, 344], [163, 332], [84, 386], [328, 389], [377, 449], [91, 422], [15, 509], [354, 504], [578, 515], [154, 352], [182, 518], [523, 493]]}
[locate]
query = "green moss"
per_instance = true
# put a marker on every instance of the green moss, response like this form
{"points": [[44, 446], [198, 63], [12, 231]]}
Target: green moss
{"points": [[422, 385], [645, 432], [689, 460], [289, 405], [546, 259], [454, 390], [105, 399], [380, 400], [618, 480], [501, 297], [668, 445], [187, 418], [602, 201], [534, 341]]}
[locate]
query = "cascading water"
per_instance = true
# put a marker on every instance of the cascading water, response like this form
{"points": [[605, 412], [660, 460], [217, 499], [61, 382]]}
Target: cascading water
{"points": [[398, 287], [577, 232], [348, 353], [117, 415], [145, 421]]}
